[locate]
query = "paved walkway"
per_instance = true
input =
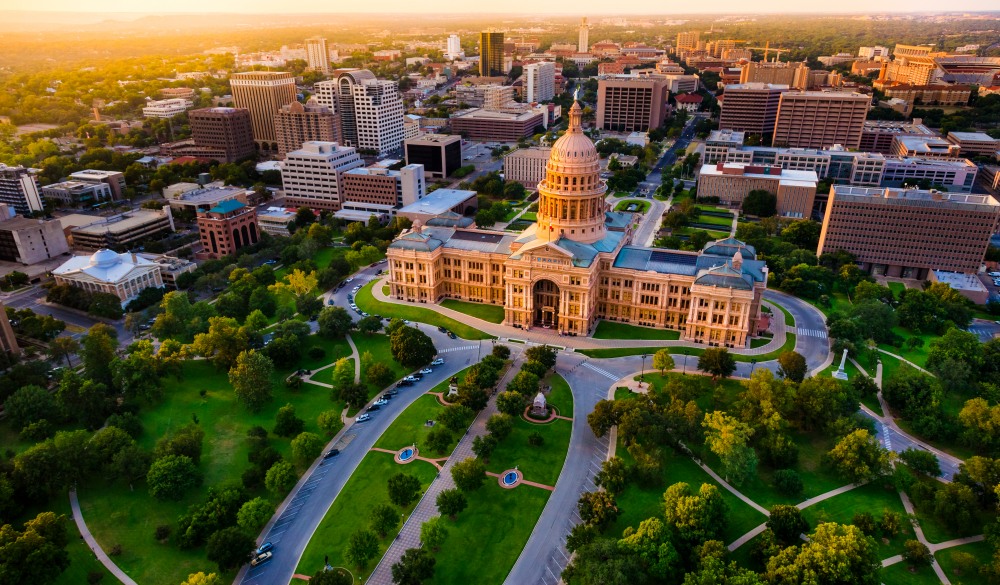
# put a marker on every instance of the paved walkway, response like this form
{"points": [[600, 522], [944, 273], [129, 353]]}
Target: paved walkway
{"points": [[908, 507], [733, 490], [93, 544], [525, 482], [426, 508], [357, 360]]}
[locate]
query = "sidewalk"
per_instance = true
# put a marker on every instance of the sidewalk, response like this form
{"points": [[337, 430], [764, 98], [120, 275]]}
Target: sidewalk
{"points": [[93, 544]]}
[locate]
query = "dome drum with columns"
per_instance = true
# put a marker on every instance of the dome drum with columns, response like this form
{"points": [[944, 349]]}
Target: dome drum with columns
{"points": [[576, 265]]}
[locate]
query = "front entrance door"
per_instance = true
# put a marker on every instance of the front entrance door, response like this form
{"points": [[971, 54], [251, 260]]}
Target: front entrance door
{"points": [[546, 303]]}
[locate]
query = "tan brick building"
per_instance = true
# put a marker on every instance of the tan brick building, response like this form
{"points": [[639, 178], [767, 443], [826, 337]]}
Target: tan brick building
{"points": [[817, 119], [296, 124], [627, 105], [263, 93], [750, 107], [225, 134], [907, 232], [576, 264], [732, 182]]}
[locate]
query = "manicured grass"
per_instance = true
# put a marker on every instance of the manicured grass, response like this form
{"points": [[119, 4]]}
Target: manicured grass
{"points": [[369, 304], [896, 288], [715, 220], [410, 427], [82, 560], [540, 464], [687, 231], [789, 319], [117, 515], [613, 352], [615, 330], [937, 531], [981, 550], [641, 206], [485, 540], [789, 345], [334, 348], [872, 498], [491, 313], [560, 396], [918, 355], [349, 512], [902, 574], [529, 216]]}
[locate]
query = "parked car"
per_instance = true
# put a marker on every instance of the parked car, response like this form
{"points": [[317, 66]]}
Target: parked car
{"points": [[380, 402], [373, 408], [442, 330], [330, 455], [392, 392], [426, 371], [417, 376], [261, 559], [404, 383], [451, 335], [363, 418], [329, 301], [349, 279], [438, 362], [411, 379]]}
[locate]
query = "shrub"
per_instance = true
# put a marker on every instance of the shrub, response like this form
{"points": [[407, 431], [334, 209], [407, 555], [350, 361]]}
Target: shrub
{"points": [[162, 532], [787, 482], [536, 439], [316, 353]]}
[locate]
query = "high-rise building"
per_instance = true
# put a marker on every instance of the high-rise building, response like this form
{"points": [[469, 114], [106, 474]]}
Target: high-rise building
{"points": [[583, 45], [540, 81], [686, 41], [815, 119], [794, 75], [297, 123], [19, 189], [8, 342], [491, 53], [908, 232], [453, 50], [311, 175], [440, 155], [317, 54], [629, 105], [29, 241], [263, 93], [226, 131], [326, 94], [751, 107], [371, 112], [381, 186]]}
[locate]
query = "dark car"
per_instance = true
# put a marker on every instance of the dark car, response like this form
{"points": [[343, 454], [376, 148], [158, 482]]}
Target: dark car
{"points": [[442, 330], [373, 408], [451, 335], [404, 383], [331, 454], [267, 546]]}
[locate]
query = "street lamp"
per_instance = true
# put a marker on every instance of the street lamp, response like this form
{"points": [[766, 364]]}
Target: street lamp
{"points": [[684, 352], [642, 372], [753, 364]]}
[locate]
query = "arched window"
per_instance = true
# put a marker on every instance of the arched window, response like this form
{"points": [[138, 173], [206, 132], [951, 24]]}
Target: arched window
{"points": [[236, 239]]}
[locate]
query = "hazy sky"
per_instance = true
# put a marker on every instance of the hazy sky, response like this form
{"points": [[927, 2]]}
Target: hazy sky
{"points": [[590, 7]]}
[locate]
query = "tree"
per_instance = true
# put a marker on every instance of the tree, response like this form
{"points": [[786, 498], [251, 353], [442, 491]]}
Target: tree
{"points": [[788, 482], [251, 379], [500, 426], [329, 422], [469, 474], [334, 322], [36, 554], [457, 417], [224, 341], [106, 443], [131, 464], [254, 514], [613, 475], [355, 395], [598, 509], [137, 376], [361, 548], [171, 476], [280, 478], [787, 523], [286, 423], [298, 282], [859, 457], [917, 554], [835, 553], [760, 203], [525, 384], [416, 566], [451, 502], [62, 348], [650, 546], [306, 447], [484, 445], [543, 354], [411, 347], [603, 417], [695, 517], [383, 519], [663, 361], [403, 489], [29, 404], [343, 374], [438, 439], [202, 579], [920, 461], [379, 374], [229, 547], [333, 577], [717, 361], [432, 533], [728, 438], [792, 366]]}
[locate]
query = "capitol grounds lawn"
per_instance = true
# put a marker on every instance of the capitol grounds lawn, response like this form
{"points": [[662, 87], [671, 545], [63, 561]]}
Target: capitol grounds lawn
{"points": [[560, 395], [613, 352], [508, 515], [873, 498], [366, 302], [902, 574], [117, 515], [614, 330], [490, 313], [979, 550], [641, 206]]}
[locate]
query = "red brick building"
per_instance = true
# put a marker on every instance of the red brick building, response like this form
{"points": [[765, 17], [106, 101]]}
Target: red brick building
{"points": [[226, 228]]}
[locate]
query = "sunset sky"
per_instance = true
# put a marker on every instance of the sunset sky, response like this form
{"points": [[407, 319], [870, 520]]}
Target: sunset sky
{"points": [[590, 7]]}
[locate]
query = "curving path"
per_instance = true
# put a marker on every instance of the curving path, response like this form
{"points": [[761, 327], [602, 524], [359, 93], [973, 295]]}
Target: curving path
{"points": [[93, 544]]}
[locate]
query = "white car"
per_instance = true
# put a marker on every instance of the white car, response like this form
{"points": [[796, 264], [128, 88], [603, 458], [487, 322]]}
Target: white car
{"points": [[363, 418], [410, 379], [438, 362], [381, 402], [426, 371]]}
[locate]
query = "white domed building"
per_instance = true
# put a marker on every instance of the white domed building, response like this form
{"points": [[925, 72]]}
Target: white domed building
{"points": [[123, 275], [576, 266]]}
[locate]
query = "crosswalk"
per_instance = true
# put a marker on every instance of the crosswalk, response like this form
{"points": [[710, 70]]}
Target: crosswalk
{"points": [[600, 371], [811, 332], [459, 348]]}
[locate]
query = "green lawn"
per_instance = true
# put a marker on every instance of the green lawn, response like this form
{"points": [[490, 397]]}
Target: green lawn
{"points": [[491, 313], [615, 330], [902, 574], [540, 464], [687, 231], [715, 220], [789, 319], [789, 345], [82, 560], [918, 355], [981, 550], [561, 396], [872, 498], [937, 531], [759, 342], [613, 352], [349, 512], [410, 428], [117, 515], [485, 540], [641, 206], [896, 288], [529, 216], [366, 302]]}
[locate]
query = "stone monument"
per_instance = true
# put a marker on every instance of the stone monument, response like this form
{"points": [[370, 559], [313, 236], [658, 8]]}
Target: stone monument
{"points": [[840, 374]]}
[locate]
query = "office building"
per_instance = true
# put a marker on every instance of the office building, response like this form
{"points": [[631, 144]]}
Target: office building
{"points": [[877, 135], [719, 143], [226, 228], [317, 54], [924, 146], [686, 41], [939, 94], [8, 341], [575, 265], [583, 42], [371, 112], [794, 75], [113, 179], [29, 241], [171, 267], [732, 182], [224, 134], [76, 193], [526, 166], [297, 123], [491, 53], [454, 51], [439, 154], [382, 186], [751, 108], [540, 81], [911, 65], [327, 94], [311, 175], [483, 124], [679, 83], [627, 105], [203, 198], [873, 52], [275, 221], [908, 232], [166, 108], [688, 102], [813, 119], [976, 144], [120, 232], [19, 189], [124, 275], [263, 93]]}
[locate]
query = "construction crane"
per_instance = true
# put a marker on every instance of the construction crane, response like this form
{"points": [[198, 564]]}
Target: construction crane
{"points": [[767, 49]]}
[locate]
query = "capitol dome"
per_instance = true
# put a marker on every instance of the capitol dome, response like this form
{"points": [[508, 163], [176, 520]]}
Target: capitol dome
{"points": [[574, 146], [104, 258]]}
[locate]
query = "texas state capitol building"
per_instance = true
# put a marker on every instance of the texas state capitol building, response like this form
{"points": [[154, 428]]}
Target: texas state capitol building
{"points": [[576, 264]]}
